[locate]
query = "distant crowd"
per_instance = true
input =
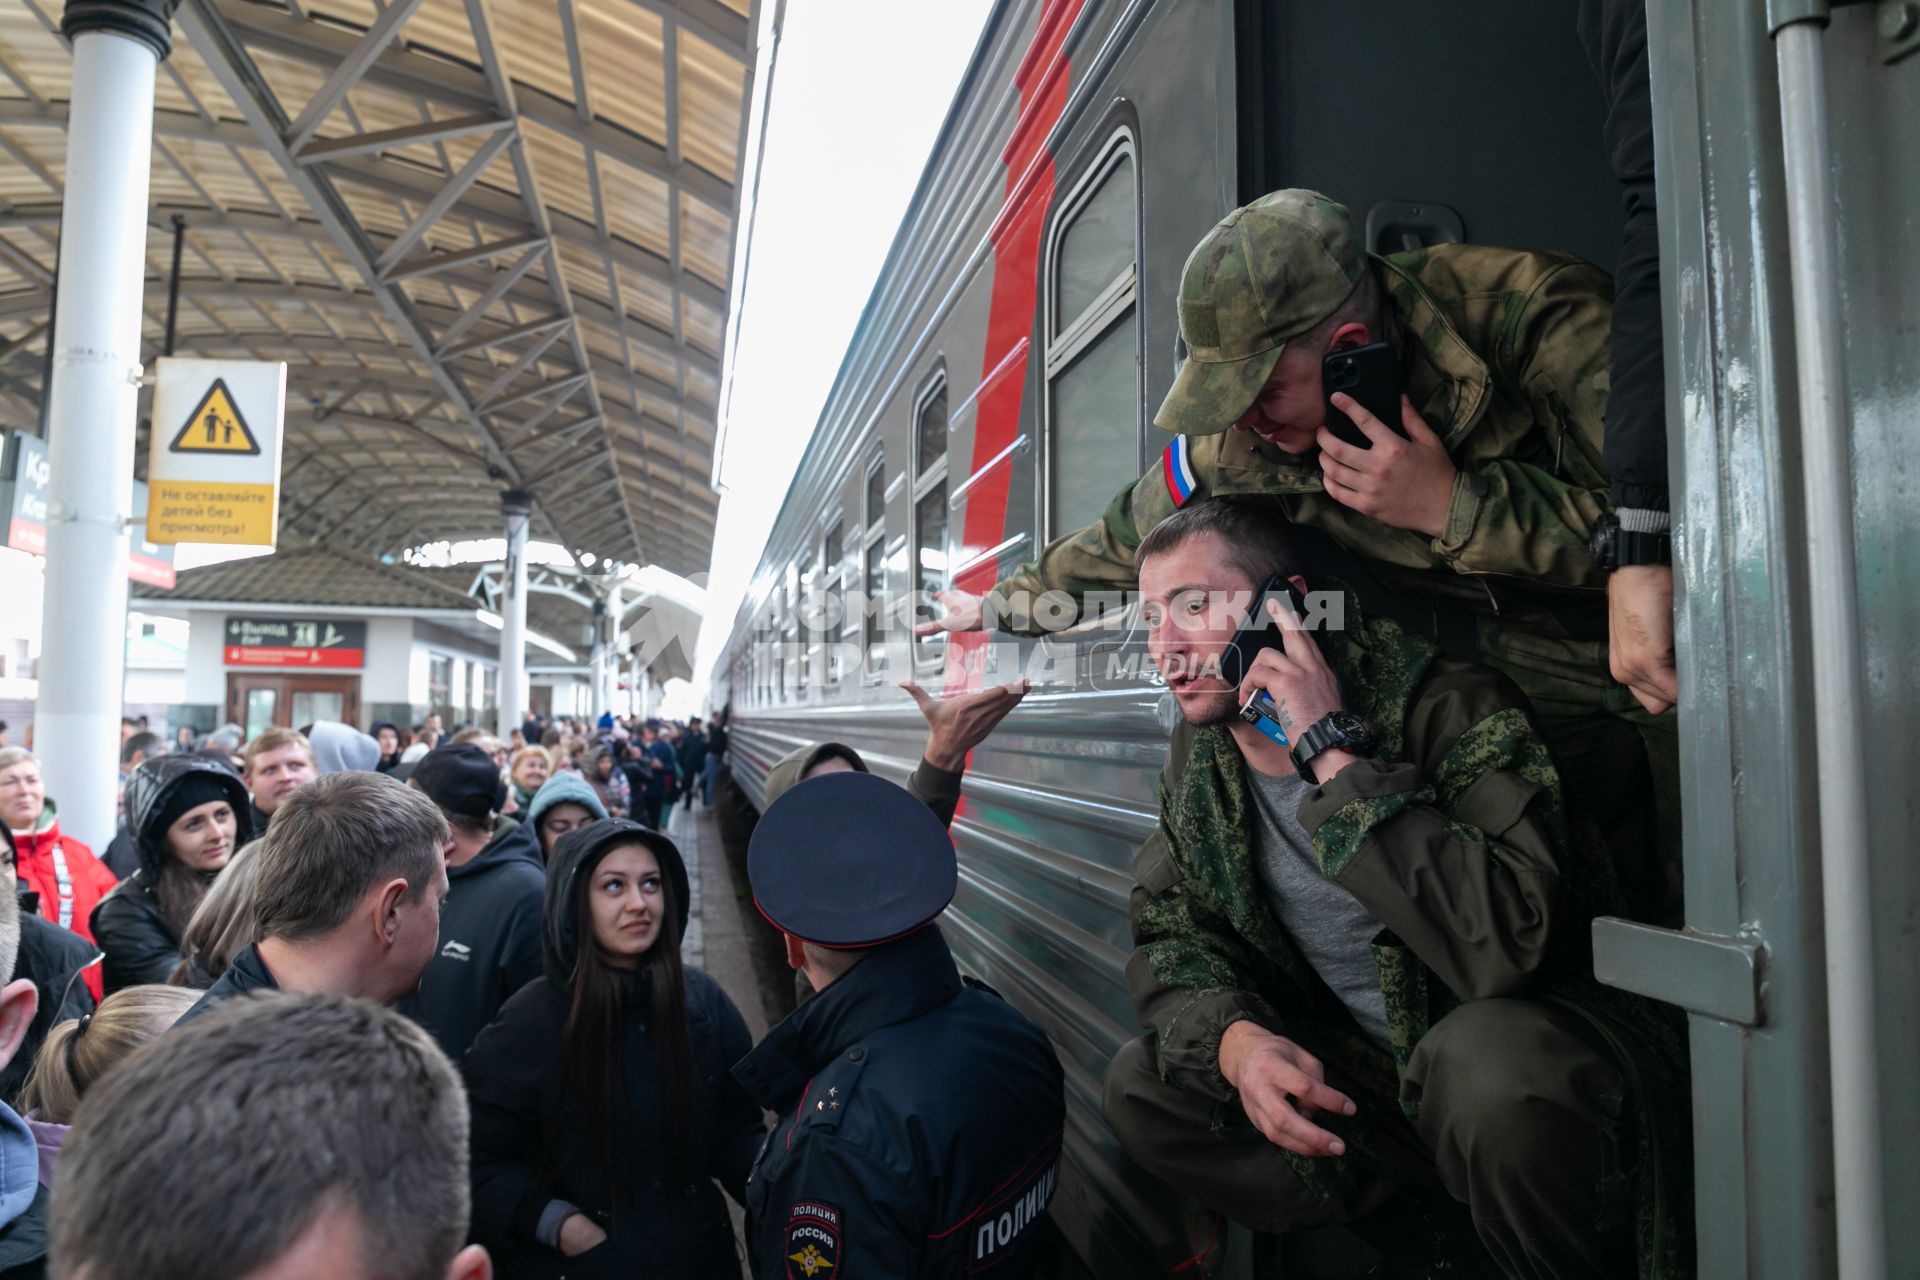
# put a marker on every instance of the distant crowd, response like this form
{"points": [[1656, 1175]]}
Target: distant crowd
{"points": [[410, 868]]}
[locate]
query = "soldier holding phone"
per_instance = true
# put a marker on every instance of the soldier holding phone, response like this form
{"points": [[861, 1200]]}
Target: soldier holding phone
{"points": [[1360, 956], [1482, 484]]}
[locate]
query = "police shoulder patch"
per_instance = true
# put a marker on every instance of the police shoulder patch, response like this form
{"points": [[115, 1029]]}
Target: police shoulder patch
{"points": [[813, 1241]]}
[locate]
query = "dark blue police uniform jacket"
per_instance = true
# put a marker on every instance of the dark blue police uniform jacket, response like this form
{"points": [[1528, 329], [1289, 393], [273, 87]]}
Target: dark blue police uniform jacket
{"points": [[919, 1133]]}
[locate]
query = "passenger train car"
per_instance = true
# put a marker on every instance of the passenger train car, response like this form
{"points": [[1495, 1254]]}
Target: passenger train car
{"points": [[999, 391]]}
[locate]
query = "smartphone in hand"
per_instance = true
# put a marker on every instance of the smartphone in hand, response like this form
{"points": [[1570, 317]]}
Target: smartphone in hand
{"points": [[1371, 375]]}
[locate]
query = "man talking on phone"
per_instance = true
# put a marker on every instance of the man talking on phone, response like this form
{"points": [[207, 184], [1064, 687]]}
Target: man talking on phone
{"points": [[1360, 948], [1485, 487]]}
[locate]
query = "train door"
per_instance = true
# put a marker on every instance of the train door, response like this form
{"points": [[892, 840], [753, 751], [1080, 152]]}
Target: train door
{"points": [[1474, 122]]}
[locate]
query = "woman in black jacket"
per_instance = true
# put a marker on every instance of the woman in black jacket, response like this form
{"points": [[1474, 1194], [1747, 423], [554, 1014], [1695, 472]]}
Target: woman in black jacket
{"points": [[187, 814], [604, 1104]]}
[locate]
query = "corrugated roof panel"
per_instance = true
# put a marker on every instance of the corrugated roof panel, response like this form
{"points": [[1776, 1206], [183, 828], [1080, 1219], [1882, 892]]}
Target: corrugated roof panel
{"points": [[440, 26], [636, 205], [560, 167], [292, 82], [647, 299], [187, 63], [585, 272], [706, 235], [532, 45], [711, 84], [214, 168], [704, 326], [34, 53], [39, 156], [622, 46]]}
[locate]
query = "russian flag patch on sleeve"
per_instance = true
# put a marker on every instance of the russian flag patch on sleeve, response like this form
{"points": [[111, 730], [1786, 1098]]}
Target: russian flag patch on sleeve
{"points": [[1178, 467]]}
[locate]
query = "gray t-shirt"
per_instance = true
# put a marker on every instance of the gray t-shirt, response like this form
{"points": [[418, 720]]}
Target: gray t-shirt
{"points": [[1330, 926]]}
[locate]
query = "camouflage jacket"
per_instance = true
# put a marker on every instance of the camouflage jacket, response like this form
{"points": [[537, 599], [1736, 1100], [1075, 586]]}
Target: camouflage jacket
{"points": [[1505, 354], [1455, 837]]}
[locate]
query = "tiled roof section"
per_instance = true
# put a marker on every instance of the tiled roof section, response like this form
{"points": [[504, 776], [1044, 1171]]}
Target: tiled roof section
{"points": [[326, 577]]}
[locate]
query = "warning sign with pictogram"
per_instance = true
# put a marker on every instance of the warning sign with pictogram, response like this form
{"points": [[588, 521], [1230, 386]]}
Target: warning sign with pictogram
{"points": [[216, 425], [213, 461]]}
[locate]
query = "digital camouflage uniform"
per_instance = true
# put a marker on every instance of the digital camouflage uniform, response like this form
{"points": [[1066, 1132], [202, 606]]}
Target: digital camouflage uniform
{"points": [[1504, 353], [1557, 1108]]}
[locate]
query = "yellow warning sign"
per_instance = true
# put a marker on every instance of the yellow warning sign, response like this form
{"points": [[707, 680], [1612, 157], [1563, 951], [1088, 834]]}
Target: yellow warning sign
{"points": [[215, 426], [189, 511]]}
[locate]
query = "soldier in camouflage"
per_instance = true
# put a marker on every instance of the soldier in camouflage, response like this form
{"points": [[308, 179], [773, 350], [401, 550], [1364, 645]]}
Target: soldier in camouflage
{"points": [[1384, 981], [1487, 501]]}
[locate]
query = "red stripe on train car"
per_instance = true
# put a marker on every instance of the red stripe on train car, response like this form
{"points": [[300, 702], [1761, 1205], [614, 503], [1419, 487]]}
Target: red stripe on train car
{"points": [[1043, 82]]}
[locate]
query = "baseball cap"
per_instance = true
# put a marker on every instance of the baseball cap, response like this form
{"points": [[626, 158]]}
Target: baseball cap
{"points": [[1266, 273], [461, 778]]}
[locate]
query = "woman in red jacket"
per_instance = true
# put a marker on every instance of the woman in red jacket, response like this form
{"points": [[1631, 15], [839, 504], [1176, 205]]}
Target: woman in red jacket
{"points": [[63, 873]]}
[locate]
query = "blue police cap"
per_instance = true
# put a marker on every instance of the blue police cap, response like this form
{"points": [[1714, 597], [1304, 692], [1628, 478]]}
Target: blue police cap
{"points": [[850, 860]]}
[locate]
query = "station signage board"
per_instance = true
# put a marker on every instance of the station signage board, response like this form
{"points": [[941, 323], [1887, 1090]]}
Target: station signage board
{"points": [[310, 643], [23, 505], [213, 461]]}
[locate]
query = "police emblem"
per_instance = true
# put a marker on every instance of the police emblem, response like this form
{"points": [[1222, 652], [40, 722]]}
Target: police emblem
{"points": [[813, 1241]]}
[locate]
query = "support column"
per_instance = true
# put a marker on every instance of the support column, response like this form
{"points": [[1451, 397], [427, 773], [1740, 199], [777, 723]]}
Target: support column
{"points": [[610, 667], [516, 509], [92, 403]]}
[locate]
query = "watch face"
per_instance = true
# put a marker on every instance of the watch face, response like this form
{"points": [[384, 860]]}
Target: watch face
{"points": [[1355, 734]]}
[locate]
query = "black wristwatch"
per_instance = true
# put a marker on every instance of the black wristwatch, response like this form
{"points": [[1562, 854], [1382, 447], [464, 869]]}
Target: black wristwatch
{"points": [[1341, 729], [1613, 546]]}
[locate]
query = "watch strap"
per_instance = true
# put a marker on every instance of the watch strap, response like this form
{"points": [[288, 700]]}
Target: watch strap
{"points": [[1643, 548], [1320, 735]]}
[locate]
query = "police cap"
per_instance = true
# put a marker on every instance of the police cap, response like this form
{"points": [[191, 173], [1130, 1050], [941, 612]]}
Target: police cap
{"points": [[850, 860]]}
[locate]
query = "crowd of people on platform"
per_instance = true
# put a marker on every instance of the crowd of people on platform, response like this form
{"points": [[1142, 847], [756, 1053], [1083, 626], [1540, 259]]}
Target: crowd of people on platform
{"points": [[476, 947]]}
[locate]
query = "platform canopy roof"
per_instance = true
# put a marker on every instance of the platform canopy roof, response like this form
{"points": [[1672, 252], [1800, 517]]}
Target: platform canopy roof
{"points": [[491, 239]]}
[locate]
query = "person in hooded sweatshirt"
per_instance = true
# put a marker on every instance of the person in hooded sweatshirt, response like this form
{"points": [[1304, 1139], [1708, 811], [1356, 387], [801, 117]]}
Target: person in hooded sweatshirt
{"points": [[490, 926], [338, 747], [602, 1103], [187, 815], [65, 877], [563, 803]]}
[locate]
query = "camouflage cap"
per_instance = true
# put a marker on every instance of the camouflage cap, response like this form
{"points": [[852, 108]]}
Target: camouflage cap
{"points": [[1268, 272]]}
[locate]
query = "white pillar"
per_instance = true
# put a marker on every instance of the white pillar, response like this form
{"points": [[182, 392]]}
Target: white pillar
{"points": [[91, 420], [516, 509], [610, 662]]}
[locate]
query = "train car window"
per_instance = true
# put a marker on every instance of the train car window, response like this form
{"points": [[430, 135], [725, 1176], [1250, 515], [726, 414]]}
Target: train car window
{"points": [[833, 551], [930, 429], [1094, 420], [832, 578], [875, 584], [876, 491], [930, 501], [1097, 247]]}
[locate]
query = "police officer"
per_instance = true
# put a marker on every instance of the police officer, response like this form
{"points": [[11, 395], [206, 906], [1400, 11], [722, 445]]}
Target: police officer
{"points": [[920, 1115], [1486, 491]]}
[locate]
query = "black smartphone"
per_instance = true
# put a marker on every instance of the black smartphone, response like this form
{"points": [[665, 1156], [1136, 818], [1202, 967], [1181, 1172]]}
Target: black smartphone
{"points": [[1260, 631], [1369, 374]]}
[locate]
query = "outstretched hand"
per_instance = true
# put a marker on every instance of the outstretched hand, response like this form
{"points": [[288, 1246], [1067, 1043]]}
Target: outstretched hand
{"points": [[956, 725], [961, 611]]}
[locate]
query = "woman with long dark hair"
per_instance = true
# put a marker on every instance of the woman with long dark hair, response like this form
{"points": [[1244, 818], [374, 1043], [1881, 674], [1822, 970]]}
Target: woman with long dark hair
{"points": [[187, 815], [604, 1105]]}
